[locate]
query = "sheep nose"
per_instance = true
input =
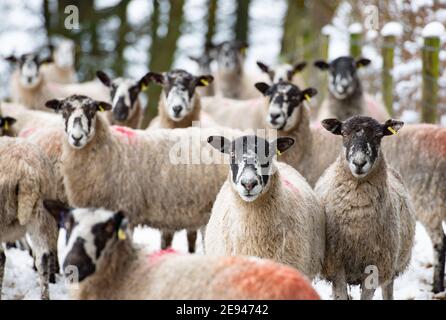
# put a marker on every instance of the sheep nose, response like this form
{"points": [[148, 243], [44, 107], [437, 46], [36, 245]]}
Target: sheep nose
{"points": [[249, 184], [274, 116], [76, 139], [176, 110], [359, 163], [30, 79]]}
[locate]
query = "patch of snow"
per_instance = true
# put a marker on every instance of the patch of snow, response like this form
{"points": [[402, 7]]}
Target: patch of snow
{"points": [[440, 15], [433, 29], [443, 123], [327, 29], [410, 116], [355, 28], [392, 29]]}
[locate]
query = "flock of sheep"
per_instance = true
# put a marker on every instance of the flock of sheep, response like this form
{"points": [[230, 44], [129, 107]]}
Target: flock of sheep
{"points": [[280, 194]]}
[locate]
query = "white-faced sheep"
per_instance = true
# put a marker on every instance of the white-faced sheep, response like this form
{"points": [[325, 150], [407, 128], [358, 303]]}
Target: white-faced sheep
{"points": [[26, 178], [62, 69], [126, 110], [370, 219], [109, 266], [346, 97], [30, 88], [102, 166], [284, 72], [266, 208]]}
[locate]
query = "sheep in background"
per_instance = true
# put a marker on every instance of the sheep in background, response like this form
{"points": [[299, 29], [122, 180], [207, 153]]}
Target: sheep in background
{"points": [[370, 219], [284, 72], [346, 97], [266, 208], [62, 69], [204, 67], [111, 267], [26, 178], [124, 95]]}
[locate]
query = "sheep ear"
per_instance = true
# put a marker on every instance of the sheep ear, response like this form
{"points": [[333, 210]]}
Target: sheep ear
{"points": [[362, 62], [104, 78], [298, 67], [48, 59], [263, 66], [157, 77], [12, 59], [54, 104], [308, 93], [332, 125], [103, 106], [58, 210], [321, 64], [262, 87], [391, 126], [6, 122], [143, 83], [120, 224], [281, 144], [220, 143], [203, 81]]}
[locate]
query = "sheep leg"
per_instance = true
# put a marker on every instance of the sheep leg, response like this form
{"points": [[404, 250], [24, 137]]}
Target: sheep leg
{"points": [[203, 236], [166, 239], [191, 240], [2, 268], [43, 268], [367, 294], [438, 239], [387, 291], [339, 287], [53, 267]]}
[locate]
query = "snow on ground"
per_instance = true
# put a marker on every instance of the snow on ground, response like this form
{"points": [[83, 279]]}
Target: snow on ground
{"points": [[21, 282]]}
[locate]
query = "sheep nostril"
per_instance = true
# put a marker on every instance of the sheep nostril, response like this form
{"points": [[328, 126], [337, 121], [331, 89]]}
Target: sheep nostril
{"points": [[176, 109], [359, 164], [274, 116], [249, 184]]}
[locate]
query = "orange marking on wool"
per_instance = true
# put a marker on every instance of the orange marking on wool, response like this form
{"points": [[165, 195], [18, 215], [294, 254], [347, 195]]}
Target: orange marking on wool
{"points": [[267, 280], [125, 132], [156, 256], [432, 139], [26, 133]]}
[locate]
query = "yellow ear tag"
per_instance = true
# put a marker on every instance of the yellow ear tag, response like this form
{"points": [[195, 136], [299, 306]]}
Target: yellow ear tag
{"points": [[6, 125], [101, 108], [143, 87], [243, 50], [278, 152], [204, 82], [391, 130], [121, 234], [307, 97]]}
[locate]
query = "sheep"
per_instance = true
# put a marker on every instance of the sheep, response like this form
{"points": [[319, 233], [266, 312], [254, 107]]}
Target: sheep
{"points": [[179, 104], [370, 218], [266, 208], [103, 166], [62, 69], [346, 97], [284, 72], [204, 67], [124, 93], [30, 88], [26, 177], [231, 81], [100, 253]]}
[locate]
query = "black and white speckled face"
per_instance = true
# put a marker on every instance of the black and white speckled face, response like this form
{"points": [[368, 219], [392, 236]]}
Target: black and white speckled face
{"points": [[179, 91], [285, 99], [79, 113], [251, 159], [282, 72], [230, 56], [342, 78], [362, 140], [88, 234], [29, 68]]}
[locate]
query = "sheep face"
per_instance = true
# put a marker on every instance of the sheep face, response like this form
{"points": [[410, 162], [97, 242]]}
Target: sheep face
{"points": [[204, 62], [5, 125], [179, 91], [64, 54], [229, 56], [285, 99], [123, 94], [362, 141], [342, 78], [29, 69], [79, 113], [282, 72], [89, 233], [251, 162]]}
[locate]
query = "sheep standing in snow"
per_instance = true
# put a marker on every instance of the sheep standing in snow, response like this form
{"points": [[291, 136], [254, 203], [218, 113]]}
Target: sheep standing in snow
{"points": [[370, 219], [110, 267], [26, 178], [126, 110], [284, 72], [346, 97], [266, 209], [62, 69], [204, 67]]}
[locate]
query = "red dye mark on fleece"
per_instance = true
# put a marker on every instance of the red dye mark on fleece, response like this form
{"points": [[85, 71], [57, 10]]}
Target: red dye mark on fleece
{"points": [[156, 256], [289, 185], [26, 133], [265, 279], [126, 133]]}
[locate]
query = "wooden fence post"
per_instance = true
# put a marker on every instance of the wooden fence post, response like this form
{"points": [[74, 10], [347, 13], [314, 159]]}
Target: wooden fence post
{"points": [[355, 40]]}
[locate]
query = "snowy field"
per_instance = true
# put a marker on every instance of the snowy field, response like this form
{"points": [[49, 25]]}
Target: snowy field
{"points": [[21, 282]]}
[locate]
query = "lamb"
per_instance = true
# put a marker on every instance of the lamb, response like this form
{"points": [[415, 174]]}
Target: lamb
{"points": [[179, 104], [231, 81], [204, 67], [284, 72], [370, 218], [103, 166], [124, 93], [109, 266], [62, 69], [26, 178], [266, 208], [346, 97], [30, 88]]}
